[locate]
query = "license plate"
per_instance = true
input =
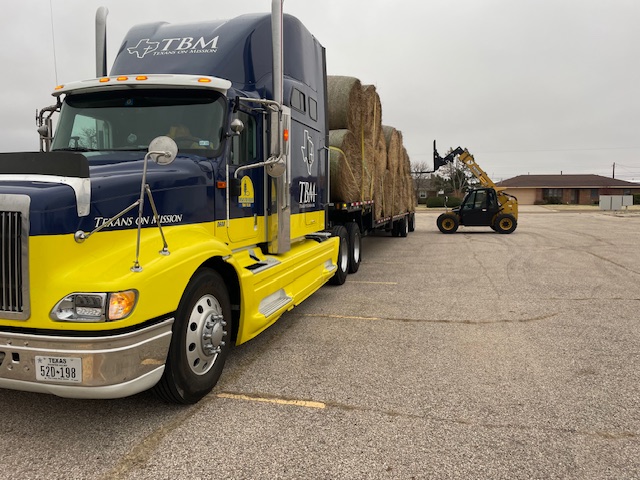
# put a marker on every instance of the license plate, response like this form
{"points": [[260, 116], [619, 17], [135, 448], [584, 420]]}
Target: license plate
{"points": [[59, 369]]}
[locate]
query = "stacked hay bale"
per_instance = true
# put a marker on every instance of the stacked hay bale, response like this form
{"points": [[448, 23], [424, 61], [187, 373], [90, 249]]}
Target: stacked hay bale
{"points": [[368, 160]]}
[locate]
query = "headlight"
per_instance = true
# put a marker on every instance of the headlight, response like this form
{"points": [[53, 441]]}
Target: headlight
{"points": [[95, 307]]}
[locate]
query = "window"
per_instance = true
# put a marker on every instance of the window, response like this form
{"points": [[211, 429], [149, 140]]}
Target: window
{"points": [[244, 146], [423, 194], [88, 133], [552, 194], [131, 119], [298, 100], [313, 109]]}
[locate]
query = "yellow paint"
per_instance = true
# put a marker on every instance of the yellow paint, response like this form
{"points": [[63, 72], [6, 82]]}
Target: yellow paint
{"points": [[277, 401], [60, 266]]}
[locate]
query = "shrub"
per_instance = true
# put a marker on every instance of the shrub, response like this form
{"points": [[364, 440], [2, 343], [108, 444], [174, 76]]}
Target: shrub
{"points": [[437, 202], [636, 198]]}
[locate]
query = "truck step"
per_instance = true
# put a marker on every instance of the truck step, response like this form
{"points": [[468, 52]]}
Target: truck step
{"points": [[274, 302], [263, 265]]}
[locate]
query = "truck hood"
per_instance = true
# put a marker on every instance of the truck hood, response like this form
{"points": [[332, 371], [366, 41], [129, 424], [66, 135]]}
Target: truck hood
{"points": [[69, 193]]}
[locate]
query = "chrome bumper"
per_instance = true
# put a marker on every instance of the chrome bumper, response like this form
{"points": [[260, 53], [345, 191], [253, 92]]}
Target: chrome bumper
{"points": [[112, 366]]}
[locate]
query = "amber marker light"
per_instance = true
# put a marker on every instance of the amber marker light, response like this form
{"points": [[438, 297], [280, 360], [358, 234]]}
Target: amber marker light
{"points": [[221, 184], [122, 79], [142, 77], [204, 80], [104, 79], [59, 87], [121, 304], [285, 134]]}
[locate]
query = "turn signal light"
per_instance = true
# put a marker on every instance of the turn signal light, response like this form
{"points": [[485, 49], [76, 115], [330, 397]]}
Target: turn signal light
{"points": [[121, 304], [286, 135]]}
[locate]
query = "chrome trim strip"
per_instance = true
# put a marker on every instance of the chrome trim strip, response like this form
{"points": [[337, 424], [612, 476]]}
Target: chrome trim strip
{"points": [[126, 389], [81, 187], [22, 204], [112, 366]]}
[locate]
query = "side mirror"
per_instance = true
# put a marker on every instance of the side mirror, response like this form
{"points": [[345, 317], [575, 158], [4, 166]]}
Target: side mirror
{"points": [[237, 126], [276, 167], [163, 150]]}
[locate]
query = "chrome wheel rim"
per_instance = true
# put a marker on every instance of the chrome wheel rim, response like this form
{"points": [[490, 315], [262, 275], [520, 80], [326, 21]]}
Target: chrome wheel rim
{"points": [[205, 334]]}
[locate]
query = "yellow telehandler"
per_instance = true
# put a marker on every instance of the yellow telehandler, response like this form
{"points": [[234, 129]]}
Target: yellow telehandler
{"points": [[486, 206]]}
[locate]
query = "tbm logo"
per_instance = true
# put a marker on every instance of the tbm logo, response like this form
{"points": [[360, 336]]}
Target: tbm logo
{"points": [[307, 193]]}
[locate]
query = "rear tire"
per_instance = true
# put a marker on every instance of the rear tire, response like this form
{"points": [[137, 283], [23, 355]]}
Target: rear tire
{"points": [[412, 222], [200, 342], [355, 255], [343, 256], [505, 223], [402, 226], [448, 223]]}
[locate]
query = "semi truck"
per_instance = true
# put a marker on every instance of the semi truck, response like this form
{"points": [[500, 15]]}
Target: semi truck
{"points": [[180, 206]]}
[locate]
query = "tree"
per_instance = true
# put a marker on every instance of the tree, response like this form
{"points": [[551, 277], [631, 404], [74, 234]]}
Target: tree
{"points": [[421, 173], [454, 179]]}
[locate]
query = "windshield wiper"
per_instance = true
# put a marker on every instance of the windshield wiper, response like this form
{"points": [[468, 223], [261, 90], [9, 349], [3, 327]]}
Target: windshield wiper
{"points": [[75, 149]]}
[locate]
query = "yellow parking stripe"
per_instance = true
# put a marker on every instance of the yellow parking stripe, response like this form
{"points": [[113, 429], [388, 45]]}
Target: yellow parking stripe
{"points": [[278, 401]]}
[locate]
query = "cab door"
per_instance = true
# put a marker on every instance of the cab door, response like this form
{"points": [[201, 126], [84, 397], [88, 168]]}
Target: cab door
{"points": [[245, 212], [477, 209]]}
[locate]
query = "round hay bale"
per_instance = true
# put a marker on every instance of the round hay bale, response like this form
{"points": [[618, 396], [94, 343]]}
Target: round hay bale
{"points": [[344, 96], [371, 112], [379, 168], [387, 201], [345, 166], [394, 148]]}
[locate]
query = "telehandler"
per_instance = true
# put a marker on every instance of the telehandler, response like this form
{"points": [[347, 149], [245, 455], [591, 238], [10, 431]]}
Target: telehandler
{"points": [[487, 206]]}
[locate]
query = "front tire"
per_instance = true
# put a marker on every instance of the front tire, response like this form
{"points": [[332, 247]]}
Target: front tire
{"points": [[343, 256], [448, 223], [200, 342]]}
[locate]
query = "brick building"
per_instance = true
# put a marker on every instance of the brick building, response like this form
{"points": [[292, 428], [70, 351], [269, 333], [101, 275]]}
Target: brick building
{"points": [[574, 189]]}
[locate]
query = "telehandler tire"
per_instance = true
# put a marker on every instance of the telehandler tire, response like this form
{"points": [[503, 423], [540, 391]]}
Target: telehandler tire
{"points": [[448, 223], [505, 223]]}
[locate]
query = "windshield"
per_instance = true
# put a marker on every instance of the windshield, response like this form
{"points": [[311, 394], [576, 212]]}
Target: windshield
{"points": [[131, 119]]}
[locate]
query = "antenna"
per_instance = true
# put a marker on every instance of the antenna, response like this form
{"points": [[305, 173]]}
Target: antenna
{"points": [[53, 43]]}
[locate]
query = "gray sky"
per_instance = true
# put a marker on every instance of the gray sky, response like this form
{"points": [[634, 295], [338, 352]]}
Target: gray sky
{"points": [[528, 86]]}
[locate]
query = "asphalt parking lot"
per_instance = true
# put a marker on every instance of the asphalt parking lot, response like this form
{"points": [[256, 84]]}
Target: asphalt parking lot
{"points": [[473, 355]]}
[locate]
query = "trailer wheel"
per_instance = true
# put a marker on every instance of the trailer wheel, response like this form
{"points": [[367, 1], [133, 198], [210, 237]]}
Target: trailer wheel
{"points": [[448, 223], [200, 342], [505, 223], [343, 256], [355, 255], [412, 222], [402, 227]]}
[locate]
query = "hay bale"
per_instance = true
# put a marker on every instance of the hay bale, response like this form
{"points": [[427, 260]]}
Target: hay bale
{"points": [[394, 148], [387, 206], [371, 112], [345, 168], [344, 96]]}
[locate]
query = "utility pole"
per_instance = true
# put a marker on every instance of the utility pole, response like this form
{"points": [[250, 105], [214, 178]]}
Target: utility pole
{"points": [[613, 175]]}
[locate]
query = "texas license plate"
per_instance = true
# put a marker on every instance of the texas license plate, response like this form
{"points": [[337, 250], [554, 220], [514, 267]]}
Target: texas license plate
{"points": [[59, 369]]}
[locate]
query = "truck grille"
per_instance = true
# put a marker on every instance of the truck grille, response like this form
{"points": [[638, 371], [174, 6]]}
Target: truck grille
{"points": [[14, 241]]}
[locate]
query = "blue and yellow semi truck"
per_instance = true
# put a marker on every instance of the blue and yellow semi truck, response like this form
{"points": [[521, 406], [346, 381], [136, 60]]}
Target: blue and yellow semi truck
{"points": [[182, 206]]}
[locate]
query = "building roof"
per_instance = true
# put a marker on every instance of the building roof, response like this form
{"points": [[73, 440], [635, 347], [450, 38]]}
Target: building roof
{"points": [[566, 181]]}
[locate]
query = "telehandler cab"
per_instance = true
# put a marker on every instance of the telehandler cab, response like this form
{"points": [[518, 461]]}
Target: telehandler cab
{"points": [[487, 206]]}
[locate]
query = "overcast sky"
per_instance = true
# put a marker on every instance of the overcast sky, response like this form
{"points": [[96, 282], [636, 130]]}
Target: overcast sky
{"points": [[528, 86]]}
